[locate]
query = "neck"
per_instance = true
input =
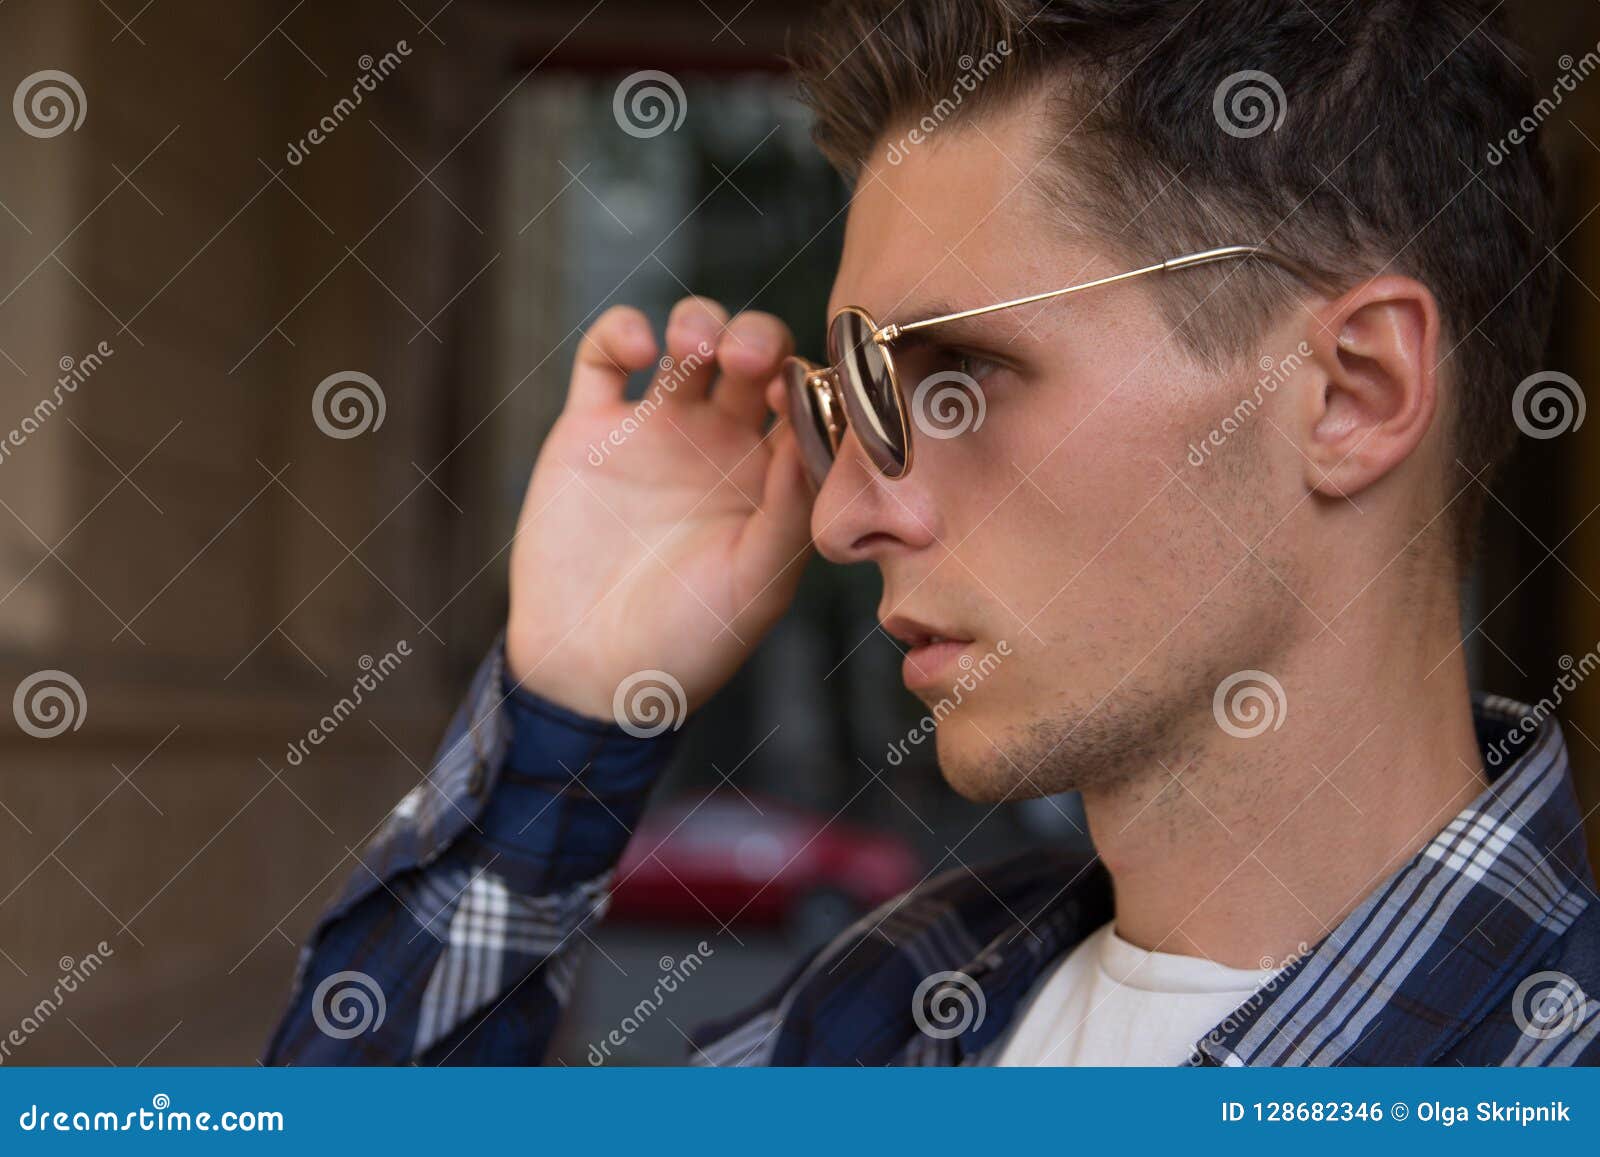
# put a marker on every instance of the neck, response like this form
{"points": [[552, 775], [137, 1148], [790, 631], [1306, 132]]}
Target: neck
{"points": [[1245, 851]]}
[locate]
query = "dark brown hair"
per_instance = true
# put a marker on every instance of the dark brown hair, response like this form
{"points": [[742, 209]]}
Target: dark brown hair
{"points": [[1357, 137]]}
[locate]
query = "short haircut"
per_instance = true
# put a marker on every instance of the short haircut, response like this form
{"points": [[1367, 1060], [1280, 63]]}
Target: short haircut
{"points": [[1391, 155]]}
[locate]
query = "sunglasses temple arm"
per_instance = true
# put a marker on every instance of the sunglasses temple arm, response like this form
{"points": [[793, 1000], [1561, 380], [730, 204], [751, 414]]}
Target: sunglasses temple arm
{"points": [[1230, 252], [889, 333]]}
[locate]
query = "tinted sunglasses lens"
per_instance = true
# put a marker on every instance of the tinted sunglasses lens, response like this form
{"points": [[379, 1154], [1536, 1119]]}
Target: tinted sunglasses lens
{"points": [[871, 401], [810, 424]]}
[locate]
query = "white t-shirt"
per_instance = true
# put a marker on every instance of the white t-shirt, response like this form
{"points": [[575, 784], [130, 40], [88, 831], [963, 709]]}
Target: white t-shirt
{"points": [[1111, 1003]]}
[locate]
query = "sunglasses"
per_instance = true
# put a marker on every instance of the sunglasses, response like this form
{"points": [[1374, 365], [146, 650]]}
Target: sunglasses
{"points": [[861, 390]]}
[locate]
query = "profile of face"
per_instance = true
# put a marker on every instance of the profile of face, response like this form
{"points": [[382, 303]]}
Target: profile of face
{"points": [[1098, 581]]}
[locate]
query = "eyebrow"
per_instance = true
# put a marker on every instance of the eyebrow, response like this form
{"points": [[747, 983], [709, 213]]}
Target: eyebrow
{"points": [[935, 308], [983, 330]]}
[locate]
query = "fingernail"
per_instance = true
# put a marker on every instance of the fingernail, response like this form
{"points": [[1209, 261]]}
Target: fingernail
{"points": [[756, 341], [702, 329]]}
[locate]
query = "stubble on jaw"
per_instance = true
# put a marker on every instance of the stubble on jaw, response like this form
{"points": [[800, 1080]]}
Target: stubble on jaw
{"points": [[1074, 749], [1137, 705]]}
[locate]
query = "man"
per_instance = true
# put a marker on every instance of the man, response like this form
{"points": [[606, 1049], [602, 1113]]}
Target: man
{"points": [[1207, 541]]}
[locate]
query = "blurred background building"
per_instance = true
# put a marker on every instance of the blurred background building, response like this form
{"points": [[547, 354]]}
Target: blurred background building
{"points": [[215, 571]]}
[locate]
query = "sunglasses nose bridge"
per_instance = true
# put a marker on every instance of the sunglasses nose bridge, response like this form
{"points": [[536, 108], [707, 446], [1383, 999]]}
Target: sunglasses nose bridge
{"points": [[826, 389], [816, 410]]}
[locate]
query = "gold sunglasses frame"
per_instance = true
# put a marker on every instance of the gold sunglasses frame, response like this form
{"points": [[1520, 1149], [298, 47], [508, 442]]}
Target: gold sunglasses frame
{"points": [[827, 390]]}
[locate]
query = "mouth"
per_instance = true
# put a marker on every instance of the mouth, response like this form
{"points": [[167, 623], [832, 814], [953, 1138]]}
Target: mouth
{"points": [[931, 651]]}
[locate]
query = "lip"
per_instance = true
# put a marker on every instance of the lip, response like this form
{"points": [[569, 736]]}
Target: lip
{"points": [[931, 653]]}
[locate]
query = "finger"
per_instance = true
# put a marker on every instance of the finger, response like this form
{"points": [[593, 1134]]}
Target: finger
{"points": [[694, 328], [617, 344], [749, 356], [778, 535]]}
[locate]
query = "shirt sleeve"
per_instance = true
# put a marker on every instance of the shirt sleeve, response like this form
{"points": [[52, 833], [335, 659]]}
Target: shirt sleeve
{"points": [[458, 933]]}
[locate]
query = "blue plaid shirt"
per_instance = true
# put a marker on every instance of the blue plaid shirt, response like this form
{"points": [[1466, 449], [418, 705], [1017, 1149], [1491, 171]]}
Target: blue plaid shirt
{"points": [[468, 911]]}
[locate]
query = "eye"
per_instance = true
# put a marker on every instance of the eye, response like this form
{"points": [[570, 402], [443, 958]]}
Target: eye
{"points": [[973, 366]]}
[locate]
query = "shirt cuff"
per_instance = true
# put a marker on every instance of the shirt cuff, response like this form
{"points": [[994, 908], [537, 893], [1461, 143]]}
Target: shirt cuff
{"points": [[569, 793]]}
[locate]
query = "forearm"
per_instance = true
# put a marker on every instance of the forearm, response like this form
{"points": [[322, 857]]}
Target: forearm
{"points": [[462, 920]]}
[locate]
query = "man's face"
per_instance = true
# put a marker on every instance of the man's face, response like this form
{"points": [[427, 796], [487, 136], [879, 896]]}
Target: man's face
{"points": [[1102, 579]]}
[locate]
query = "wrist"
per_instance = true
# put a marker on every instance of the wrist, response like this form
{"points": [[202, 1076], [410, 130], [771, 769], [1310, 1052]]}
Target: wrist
{"points": [[544, 678], [527, 703]]}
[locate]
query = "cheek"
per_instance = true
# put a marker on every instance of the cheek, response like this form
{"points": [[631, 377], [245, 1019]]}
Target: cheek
{"points": [[1068, 494]]}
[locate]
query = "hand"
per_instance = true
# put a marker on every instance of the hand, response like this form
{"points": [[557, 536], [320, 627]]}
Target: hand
{"points": [[664, 534]]}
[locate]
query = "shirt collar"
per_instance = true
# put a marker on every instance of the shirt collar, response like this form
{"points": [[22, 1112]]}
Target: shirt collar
{"points": [[1442, 941]]}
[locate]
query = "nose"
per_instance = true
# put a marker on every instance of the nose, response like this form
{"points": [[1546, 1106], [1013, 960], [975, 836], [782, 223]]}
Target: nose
{"points": [[862, 516]]}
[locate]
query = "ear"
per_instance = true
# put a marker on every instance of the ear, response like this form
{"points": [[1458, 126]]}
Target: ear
{"points": [[1376, 348]]}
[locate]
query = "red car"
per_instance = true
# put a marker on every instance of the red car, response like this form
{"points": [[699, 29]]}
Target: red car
{"points": [[719, 858]]}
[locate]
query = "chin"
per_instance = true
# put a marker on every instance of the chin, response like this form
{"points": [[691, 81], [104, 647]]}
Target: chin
{"points": [[1029, 751], [973, 767]]}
